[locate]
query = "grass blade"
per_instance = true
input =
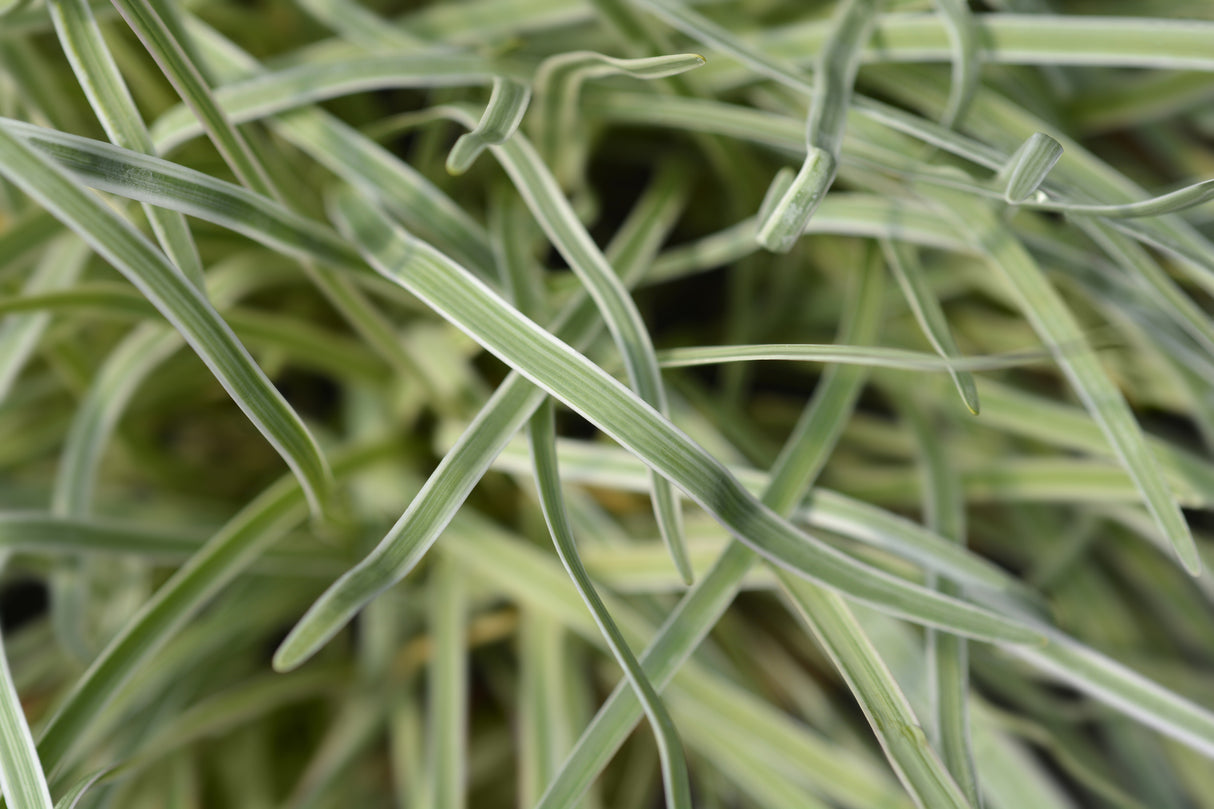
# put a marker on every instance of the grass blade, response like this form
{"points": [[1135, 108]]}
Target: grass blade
{"points": [[882, 701], [904, 264], [266, 94], [701, 29], [963, 40], [548, 205], [846, 644], [161, 183], [558, 83], [157, 36], [215, 565], [512, 337], [22, 782], [836, 68], [180, 302], [1054, 322], [447, 717], [523, 286], [876, 356], [507, 411], [542, 430], [543, 677], [798, 465], [185, 76], [947, 655], [85, 48], [1028, 167], [413, 314], [360, 161], [612, 468], [1178, 200], [19, 336], [507, 104], [1125, 690]]}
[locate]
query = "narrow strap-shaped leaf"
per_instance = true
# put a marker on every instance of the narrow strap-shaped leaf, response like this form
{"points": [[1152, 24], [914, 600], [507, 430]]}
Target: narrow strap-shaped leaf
{"points": [[115, 383], [904, 263], [787, 217], [22, 782], [511, 405], [504, 113], [1145, 272], [876, 356], [1051, 318], [1084, 171], [542, 432], [113, 386], [798, 465], [701, 115], [162, 183], [700, 28], [158, 37], [829, 510], [1008, 38], [1161, 205], [511, 231], [509, 335], [963, 40], [947, 655], [1027, 168], [835, 74], [1171, 202], [543, 677], [836, 68], [831, 621], [111, 101], [552, 210], [883, 703], [87, 438], [447, 715], [231, 550], [1125, 690], [167, 44], [19, 335], [1072, 662], [523, 287], [159, 182], [1071, 427], [359, 24], [558, 83], [363, 163], [180, 302], [581, 385], [70, 798], [707, 706], [268, 93]]}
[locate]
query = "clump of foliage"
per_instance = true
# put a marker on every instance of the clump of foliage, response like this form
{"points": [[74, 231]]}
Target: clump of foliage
{"points": [[877, 338]]}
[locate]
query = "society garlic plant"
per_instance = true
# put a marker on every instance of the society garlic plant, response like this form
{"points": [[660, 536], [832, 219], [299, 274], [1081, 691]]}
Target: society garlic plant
{"points": [[606, 404]]}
